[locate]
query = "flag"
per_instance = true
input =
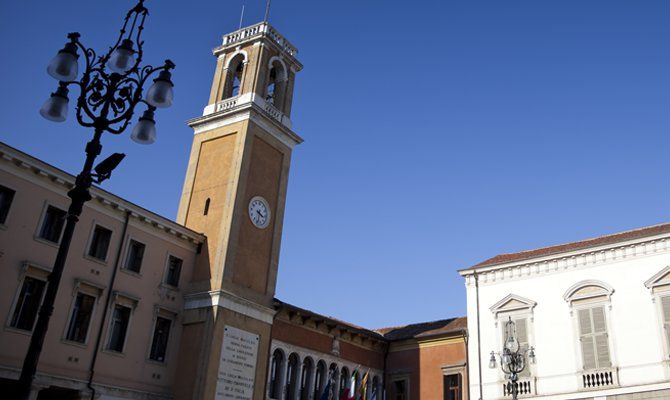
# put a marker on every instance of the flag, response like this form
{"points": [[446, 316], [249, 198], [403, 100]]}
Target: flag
{"points": [[326, 391], [364, 385], [374, 393], [351, 395]]}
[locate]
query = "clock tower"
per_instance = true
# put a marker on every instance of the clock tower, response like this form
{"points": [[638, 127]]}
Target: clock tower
{"points": [[234, 193]]}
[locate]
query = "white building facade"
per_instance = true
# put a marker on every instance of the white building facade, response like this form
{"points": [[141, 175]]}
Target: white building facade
{"points": [[597, 313]]}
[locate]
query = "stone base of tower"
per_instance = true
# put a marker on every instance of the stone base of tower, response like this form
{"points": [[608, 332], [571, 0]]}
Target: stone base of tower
{"points": [[225, 348]]}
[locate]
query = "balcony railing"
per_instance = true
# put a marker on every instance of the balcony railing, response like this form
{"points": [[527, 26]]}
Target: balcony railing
{"points": [[262, 28], [601, 378], [226, 104], [524, 387]]}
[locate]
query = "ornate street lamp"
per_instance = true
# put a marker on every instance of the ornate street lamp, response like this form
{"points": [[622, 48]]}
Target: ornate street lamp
{"points": [[512, 358], [110, 88]]}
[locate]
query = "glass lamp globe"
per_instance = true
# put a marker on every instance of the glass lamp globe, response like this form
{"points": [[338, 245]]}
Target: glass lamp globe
{"points": [[123, 57], [160, 94], [55, 108], [492, 361], [64, 66], [144, 131]]}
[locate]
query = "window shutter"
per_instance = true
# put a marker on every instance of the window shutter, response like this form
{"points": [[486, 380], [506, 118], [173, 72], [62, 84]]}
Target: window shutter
{"points": [[585, 322], [665, 305], [599, 325], [588, 355], [602, 351]]}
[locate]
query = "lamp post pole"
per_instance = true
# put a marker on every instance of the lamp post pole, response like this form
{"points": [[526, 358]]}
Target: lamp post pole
{"points": [[110, 88], [512, 358]]}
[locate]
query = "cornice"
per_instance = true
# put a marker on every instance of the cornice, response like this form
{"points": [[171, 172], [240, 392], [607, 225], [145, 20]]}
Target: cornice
{"points": [[15, 159], [579, 259]]}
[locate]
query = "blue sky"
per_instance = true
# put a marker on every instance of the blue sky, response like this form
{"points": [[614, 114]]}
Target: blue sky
{"points": [[437, 133]]}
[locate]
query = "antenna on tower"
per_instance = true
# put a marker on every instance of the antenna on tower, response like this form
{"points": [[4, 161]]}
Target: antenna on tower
{"points": [[267, 10], [241, 17]]}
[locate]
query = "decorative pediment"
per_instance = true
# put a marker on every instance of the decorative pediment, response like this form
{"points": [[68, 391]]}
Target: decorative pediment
{"points": [[588, 290], [512, 302], [660, 280]]}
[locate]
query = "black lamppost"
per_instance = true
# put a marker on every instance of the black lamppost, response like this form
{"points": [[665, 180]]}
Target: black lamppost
{"points": [[110, 88], [512, 358]]}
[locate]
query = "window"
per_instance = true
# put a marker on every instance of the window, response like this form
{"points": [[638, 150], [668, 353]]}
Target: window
{"points": [[160, 339], [118, 328], [173, 271], [28, 303], [81, 318], [593, 338], [275, 373], [100, 243], [291, 375], [270, 98], [318, 378], [6, 197], [452, 387], [52, 225], [135, 255], [206, 210], [304, 378], [400, 388], [344, 380], [521, 327], [665, 305]]}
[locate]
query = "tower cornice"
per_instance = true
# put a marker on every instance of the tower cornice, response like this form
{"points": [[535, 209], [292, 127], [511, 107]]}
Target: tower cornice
{"points": [[259, 31]]}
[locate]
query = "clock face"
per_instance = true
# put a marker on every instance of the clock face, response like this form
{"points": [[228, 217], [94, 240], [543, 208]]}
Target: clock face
{"points": [[259, 212]]}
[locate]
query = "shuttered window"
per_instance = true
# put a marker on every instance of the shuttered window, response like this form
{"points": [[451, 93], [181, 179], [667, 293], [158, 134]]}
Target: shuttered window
{"points": [[665, 305], [522, 336], [593, 338]]}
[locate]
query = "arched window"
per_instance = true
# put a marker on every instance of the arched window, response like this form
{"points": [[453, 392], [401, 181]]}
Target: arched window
{"points": [[332, 374], [291, 375], [344, 380], [276, 87], [275, 374], [319, 378], [305, 376], [234, 74], [589, 303]]}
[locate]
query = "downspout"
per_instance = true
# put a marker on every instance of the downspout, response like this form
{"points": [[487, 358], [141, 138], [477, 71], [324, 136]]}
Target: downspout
{"points": [[467, 357], [96, 349], [479, 341]]}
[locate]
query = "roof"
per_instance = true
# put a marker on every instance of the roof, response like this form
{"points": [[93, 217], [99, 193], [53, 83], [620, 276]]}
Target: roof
{"points": [[425, 329], [278, 304], [639, 233]]}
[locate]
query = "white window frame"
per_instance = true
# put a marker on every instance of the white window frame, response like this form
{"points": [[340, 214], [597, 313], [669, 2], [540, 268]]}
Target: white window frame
{"points": [[163, 312], [577, 302], [126, 300], [88, 288], [166, 266], [90, 241], [126, 254], [31, 270], [660, 288], [40, 223], [517, 307], [4, 225]]}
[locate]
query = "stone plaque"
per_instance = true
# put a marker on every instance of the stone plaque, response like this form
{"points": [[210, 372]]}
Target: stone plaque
{"points": [[237, 368]]}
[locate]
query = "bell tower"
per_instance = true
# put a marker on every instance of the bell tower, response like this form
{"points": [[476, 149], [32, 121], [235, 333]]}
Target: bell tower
{"points": [[234, 192]]}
